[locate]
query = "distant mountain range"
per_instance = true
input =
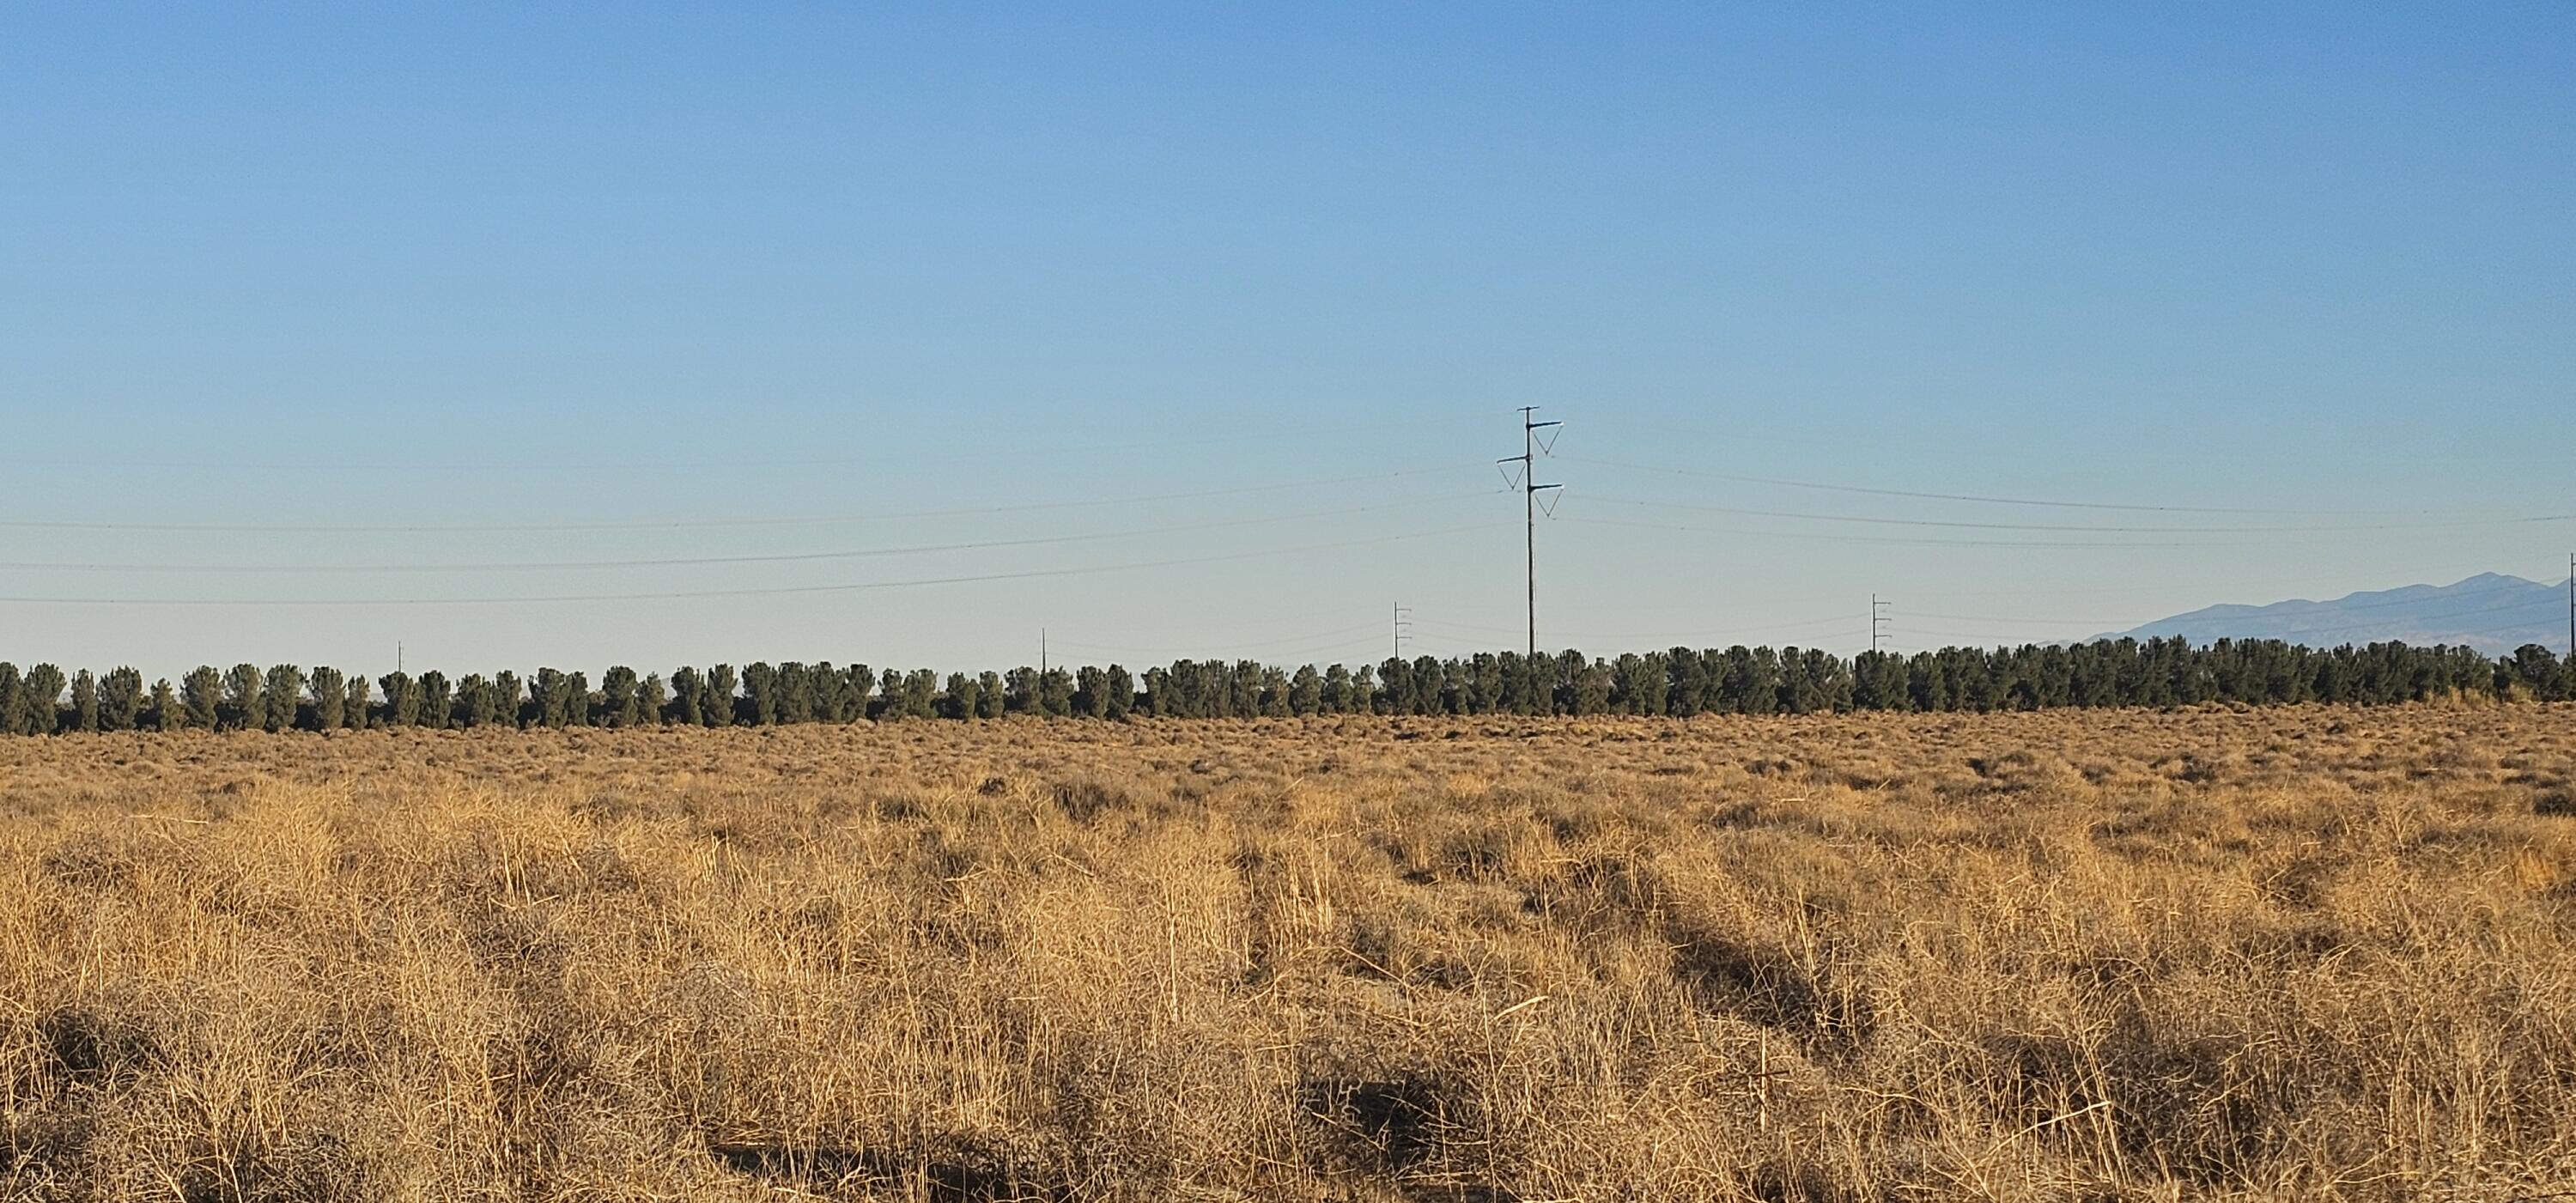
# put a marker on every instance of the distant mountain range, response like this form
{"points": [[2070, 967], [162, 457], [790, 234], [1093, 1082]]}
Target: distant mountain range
{"points": [[2490, 612]]}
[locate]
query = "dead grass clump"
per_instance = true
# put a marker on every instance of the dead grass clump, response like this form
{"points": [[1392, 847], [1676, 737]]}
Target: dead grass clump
{"points": [[1086, 799]]}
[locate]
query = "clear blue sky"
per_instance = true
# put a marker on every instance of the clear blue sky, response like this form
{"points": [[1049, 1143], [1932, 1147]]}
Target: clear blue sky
{"points": [[471, 265]]}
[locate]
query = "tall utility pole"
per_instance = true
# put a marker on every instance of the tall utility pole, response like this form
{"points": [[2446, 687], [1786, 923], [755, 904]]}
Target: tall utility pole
{"points": [[1403, 627], [1877, 620], [2571, 607], [1530, 488]]}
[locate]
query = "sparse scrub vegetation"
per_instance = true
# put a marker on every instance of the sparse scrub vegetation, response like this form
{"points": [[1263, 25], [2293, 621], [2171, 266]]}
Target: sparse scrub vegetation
{"points": [[2286, 953]]}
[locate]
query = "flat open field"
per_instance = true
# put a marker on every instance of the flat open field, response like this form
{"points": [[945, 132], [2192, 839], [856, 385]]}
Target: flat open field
{"points": [[2284, 954]]}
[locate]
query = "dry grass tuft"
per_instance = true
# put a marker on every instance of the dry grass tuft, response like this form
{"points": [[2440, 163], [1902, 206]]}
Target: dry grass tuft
{"points": [[2284, 954]]}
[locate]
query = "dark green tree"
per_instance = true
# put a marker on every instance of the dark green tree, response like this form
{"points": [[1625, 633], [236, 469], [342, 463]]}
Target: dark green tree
{"points": [[717, 705], [1339, 697], [760, 693], [1121, 687], [1395, 686], [1270, 691], [84, 701], [282, 687], [1592, 688], [476, 704], [1430, 685], [856, 686], [686, 700], [988, 695], [402, 699], [959, 699], [619, 698], [890, 705], [167, 713], [437, 700], [201, 693], [508, 698], [120, 700], [1878, 681], [795, 693], [1306, 691], [1686, 684], [651, 699], [354, 711], [330, 691], [2535, 673], [1055, 693], [245, 697], [547, 692], [43, 699]]}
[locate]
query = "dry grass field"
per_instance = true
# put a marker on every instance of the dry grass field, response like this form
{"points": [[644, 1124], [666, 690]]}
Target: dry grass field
{"points": [[2285, 954]]}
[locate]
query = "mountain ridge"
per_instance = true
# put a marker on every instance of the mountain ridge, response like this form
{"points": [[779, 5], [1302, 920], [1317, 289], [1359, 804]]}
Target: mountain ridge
{"points": [[2491, 611]]}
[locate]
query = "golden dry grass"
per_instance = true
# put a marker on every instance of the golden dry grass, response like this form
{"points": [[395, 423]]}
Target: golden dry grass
{"points": [[2285, 954]]}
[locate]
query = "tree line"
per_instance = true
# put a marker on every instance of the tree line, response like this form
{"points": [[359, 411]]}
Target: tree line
{"points": [[1678, 682]]}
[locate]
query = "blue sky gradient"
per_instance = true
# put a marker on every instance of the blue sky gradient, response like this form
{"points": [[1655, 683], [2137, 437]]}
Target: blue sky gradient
{"points": [[474, 265]]}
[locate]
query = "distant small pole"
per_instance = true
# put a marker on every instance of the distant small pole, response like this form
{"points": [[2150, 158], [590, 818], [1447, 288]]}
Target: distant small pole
{"points": [[1877, 620], [2571, 606], [398, 655], [1042, 652]]}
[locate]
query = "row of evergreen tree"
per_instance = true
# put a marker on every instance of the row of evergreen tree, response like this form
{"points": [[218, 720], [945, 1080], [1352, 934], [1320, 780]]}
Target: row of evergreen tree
{"points": [[1679, 682]]}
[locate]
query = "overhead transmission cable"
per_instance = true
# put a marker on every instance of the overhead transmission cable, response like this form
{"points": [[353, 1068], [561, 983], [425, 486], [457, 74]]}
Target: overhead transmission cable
{"points": [[1899, 540], [775, 558], [693, 523], [1722, 630], [1979, 498], [1228, 643], [770, 591], [2079, 529]]}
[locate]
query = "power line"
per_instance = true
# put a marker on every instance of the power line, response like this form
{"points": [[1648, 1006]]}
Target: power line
{"points": [[2080, 529], [1849, 631], [692, 523], [777, 558], [1898, 540], [1293, 651], [85, 462], [1737, 630], [1972, 497], [1230, 643], [773, 591]]}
